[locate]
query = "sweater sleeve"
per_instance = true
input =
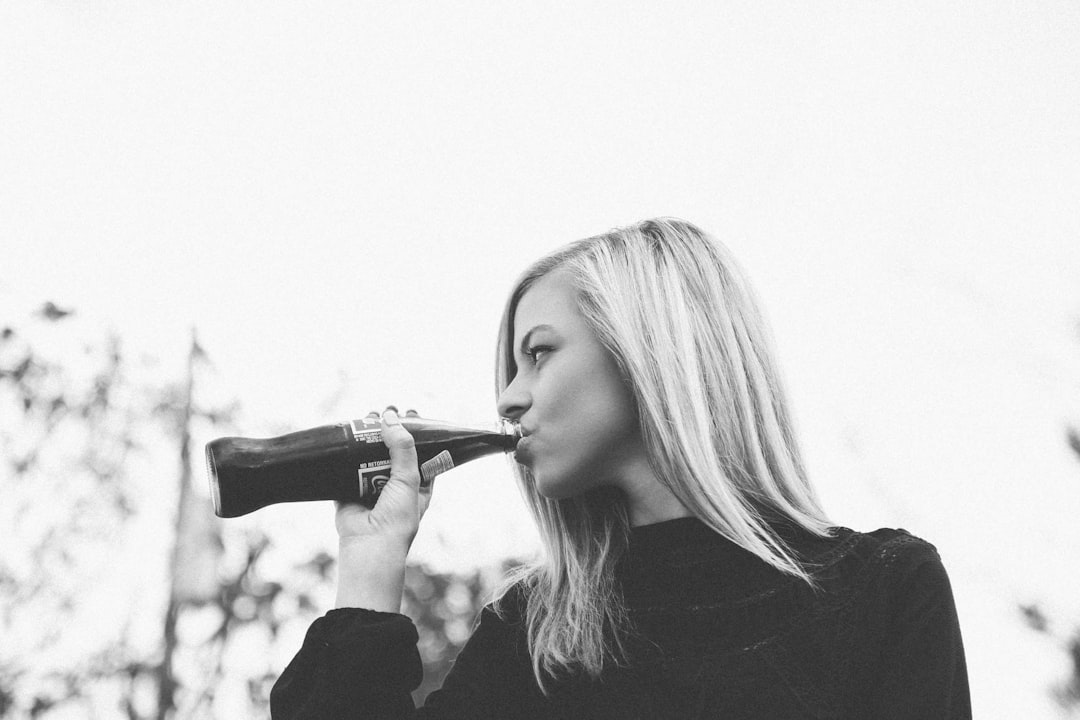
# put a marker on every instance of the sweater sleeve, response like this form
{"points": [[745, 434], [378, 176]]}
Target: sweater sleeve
{"points": [[492, 677], [362, 665], [354, 663], [925, 669]]}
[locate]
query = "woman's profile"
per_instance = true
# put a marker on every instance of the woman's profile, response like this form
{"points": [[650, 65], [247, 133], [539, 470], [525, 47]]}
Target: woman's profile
{"points": [[688, 570]]}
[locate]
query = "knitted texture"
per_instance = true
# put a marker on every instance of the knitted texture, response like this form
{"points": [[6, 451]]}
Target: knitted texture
{"points": [[716, 633]]}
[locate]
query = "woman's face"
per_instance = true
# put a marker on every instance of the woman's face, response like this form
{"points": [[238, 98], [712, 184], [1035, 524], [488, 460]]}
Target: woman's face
{"points": [[577, 415]]}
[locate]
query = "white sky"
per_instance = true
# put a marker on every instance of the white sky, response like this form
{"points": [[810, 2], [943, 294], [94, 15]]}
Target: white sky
{"points": [[338, 197]]}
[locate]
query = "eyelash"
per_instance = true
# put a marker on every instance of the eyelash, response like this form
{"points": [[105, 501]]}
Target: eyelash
{"points": [[532, 352]]}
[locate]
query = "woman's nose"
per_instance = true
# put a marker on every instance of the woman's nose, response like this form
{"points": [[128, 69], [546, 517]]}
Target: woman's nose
{"points": [[513, 401]]}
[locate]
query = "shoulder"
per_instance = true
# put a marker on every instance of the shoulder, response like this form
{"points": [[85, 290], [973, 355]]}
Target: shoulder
{"points": [[890, 563], [897, 552], [881, 548], [885, 624]]}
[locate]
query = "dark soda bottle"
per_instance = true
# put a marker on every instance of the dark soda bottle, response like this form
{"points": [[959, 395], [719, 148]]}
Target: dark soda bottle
{"points": [[347, 461]]}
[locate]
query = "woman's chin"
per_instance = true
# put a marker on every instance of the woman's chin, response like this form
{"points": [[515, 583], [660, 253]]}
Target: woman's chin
{"points": [[558, 488], [553, 490]]}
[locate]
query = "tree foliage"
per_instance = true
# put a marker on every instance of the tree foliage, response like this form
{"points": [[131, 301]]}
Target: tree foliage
{"points": [[121, 594], [1066, 692], [66, 435], [444, 609]]}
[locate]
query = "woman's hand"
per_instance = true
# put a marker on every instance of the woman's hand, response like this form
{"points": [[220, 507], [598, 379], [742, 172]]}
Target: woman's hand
{"points": [[373, 544], [402, 501]]}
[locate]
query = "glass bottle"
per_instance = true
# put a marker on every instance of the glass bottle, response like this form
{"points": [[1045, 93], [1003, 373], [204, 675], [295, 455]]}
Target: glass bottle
{"points": [[347, 461]]}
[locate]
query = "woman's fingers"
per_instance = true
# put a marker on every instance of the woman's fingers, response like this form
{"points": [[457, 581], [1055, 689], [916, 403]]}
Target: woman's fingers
{"points": [[404, 498], [424, 490], [400, 492], [399, 442]]}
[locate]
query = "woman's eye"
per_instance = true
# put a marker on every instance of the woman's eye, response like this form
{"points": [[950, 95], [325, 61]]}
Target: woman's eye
{"points": [[533, 352]]}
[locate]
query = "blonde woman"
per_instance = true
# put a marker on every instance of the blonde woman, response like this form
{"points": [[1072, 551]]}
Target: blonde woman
{"points": [[689, 572]]}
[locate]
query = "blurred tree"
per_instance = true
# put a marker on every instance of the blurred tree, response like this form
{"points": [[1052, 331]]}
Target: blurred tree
{"points": [[65, 436], [121, 594], [84, 440], [445, 609], [1067, 691]]}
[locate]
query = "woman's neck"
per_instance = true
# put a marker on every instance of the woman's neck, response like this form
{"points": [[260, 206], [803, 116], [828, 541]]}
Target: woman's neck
{"points": [[649, 501]]}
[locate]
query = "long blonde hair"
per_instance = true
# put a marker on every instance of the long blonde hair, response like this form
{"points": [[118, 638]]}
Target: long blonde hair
{"points": [[676, 312]]}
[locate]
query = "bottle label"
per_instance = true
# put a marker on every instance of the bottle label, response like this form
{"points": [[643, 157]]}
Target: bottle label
{"points": [[435, 466], [367, 430], [373, 476]]}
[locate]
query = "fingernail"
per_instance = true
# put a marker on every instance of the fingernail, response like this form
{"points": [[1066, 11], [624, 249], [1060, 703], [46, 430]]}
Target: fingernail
{"points": [[390, 416]]}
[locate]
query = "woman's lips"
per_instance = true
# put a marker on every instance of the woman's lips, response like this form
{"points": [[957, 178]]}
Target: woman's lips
{"points": [[522, 453]]}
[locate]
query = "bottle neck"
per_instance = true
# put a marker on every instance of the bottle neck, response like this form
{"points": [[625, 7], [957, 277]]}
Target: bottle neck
{"points": [[507, 428]]}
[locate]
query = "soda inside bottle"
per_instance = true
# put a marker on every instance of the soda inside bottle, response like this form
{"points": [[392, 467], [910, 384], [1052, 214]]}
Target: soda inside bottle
{"points": [[345, 461]]}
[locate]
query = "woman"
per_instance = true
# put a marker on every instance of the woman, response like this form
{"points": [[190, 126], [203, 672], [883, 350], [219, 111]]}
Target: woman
{"points": [[689, 572]]}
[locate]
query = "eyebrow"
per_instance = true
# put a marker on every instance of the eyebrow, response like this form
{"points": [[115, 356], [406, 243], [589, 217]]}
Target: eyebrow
{"points": [[525, 340]]}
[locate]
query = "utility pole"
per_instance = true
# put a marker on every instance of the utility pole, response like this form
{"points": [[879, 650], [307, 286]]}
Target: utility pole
{"points": [[167, 684]]}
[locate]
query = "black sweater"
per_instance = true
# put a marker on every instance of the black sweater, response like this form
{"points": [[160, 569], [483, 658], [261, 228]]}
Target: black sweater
{"points": [[718, 633]]}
